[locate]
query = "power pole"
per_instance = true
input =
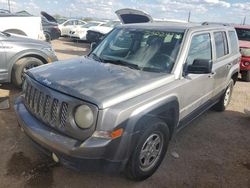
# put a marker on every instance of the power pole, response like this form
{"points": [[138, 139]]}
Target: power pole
{"points": [[244, 21], [189, 15], [9, 4]]}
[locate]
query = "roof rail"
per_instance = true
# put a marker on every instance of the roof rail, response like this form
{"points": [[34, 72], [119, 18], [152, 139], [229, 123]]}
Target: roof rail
{"points": [[215, 23]]}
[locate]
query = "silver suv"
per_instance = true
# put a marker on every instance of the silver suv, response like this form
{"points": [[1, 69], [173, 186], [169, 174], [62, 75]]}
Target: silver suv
{"points": [[19, 54], [118, 107]]}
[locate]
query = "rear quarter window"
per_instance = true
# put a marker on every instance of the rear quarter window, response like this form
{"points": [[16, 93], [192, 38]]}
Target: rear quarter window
{"points": [[233, 42]]}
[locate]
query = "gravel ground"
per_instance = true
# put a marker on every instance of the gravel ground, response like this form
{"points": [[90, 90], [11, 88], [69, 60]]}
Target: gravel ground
{"points": [[214, 150]]}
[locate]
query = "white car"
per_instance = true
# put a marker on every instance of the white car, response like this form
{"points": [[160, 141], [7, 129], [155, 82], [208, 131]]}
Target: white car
{"points": [[70, 24], [81, 32], [20, 25], [105, 28]]}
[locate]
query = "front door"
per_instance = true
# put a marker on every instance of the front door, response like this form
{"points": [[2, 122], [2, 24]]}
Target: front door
{"points": [[197, 88]]}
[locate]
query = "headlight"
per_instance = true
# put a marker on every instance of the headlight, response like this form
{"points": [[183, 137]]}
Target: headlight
{"points": [[49, 49], [245, 51], [84, 117]]}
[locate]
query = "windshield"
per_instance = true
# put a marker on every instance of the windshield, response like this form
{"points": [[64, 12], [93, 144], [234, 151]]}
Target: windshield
{"points": [[147, 50], [243, 34], [87, 25]]}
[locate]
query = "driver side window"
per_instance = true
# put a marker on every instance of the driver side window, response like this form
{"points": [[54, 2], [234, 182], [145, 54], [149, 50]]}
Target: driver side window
{"points": [[200, 48]]}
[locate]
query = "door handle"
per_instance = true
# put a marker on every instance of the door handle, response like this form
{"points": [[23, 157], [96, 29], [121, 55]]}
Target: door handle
{"points": [[212, 74]]}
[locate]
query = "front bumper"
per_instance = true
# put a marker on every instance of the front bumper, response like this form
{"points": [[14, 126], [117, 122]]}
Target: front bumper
{"points": [[93, 153]]}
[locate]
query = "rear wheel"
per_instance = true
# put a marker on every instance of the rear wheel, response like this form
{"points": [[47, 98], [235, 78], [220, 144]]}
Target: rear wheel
{"points": [[226, 98], [246, 76], [21, 66], [149, 151]]}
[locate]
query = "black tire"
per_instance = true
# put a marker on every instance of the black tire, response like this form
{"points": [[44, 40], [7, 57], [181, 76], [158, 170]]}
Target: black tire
{"points": [[136, 168], [47, 36], [225, 98], [246, 76], [21, 66]]}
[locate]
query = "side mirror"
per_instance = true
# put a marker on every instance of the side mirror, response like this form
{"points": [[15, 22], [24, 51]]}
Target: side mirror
{"points": [[200, 66], [93, 45]]}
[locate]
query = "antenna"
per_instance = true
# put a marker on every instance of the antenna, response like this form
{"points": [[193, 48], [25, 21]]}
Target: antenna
{"points": [[189, 15], [9, 5], [244, 20]]}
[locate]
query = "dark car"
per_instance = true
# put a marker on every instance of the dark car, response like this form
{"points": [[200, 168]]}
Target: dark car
{"points": [[50, 27]]}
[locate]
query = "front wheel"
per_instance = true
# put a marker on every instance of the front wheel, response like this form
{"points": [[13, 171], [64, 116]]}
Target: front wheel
{"points": [[21, 66], [149, 151], [226, 98]]}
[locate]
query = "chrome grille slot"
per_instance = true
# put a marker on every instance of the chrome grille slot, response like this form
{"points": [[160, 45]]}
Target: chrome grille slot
{"points": [[40, 104], [54, 111], [63, 114], [36, 101], [47, 108], [31, 95]]}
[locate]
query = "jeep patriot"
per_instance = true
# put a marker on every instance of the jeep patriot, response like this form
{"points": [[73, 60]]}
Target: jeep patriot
{"points": [[118, 107]]}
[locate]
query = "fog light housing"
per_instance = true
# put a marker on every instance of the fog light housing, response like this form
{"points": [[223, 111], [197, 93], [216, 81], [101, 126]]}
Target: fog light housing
{"points": [[84, 117]]}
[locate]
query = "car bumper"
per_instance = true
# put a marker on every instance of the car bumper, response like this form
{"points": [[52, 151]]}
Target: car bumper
{"points": [[242, 65], [93, 153]]}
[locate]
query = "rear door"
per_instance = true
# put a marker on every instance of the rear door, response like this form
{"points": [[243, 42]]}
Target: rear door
{"points": [[223, 62], [128, 16]]}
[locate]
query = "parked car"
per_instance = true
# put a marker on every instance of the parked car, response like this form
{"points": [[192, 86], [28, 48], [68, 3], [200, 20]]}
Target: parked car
{"points": [[81, 32], [118, 107], [243, 32], [96, 33], [21, 24], [61, 20], [68, 25], [18, 54], [50, 27]]}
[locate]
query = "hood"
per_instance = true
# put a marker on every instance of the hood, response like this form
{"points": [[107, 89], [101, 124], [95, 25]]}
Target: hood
{"points": [[25, 40], [128, 16], [48, 17], [102, 84], [244, 44]]}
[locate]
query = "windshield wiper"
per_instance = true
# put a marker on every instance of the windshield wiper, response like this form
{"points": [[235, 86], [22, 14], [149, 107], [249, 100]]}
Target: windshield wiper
{"points": [[96, 57], [121, 62]]}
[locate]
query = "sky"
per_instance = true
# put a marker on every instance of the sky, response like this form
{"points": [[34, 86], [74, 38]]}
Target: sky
{"points": [[230, 11]]}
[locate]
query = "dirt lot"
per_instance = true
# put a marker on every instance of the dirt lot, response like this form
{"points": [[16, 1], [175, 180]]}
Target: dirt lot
{"points": [[214, 150]]}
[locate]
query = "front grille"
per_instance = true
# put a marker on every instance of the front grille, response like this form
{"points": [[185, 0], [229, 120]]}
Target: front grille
{"points": [[50, 110]]}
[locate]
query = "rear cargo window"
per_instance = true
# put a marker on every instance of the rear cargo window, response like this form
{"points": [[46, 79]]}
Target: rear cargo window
{"points": [[233, 42], [221, 44]]}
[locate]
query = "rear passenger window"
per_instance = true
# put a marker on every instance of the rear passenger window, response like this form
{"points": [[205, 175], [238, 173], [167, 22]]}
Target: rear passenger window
{"points": [[200, 48], [221, 44], [233, 42]]}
